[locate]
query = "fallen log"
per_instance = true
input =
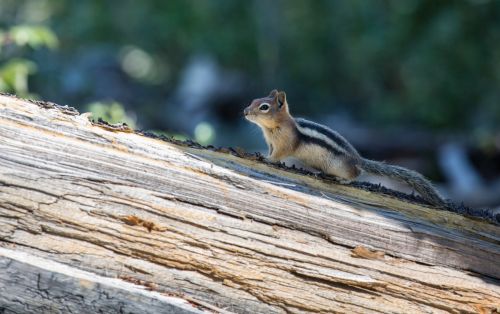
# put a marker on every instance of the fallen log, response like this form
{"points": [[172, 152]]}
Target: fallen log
{"points": [[60, 287], [217, 227]]}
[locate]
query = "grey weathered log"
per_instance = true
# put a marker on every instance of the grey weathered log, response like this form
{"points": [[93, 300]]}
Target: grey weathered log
{"points": [[30, 284], [234, 233]]}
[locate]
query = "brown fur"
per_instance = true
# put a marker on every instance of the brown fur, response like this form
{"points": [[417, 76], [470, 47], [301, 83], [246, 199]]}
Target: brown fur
{"points": [[277, 125], [324, 150]]}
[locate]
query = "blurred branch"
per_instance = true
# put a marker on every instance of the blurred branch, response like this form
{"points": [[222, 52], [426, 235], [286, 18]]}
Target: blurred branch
{"points": [[464, 181]]}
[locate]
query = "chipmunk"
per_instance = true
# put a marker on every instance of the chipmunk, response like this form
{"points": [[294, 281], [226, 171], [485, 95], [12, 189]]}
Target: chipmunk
{"points": [[321, 148]]}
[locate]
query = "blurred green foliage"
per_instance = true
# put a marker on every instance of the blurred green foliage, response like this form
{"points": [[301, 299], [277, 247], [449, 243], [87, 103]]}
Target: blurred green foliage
{"points": [[413, 62], [14, 69], [33, 36], [112, 112], [204, 133]]}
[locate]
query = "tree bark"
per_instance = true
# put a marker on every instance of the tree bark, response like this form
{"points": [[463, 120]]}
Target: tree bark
{"points": [[224, 232]]}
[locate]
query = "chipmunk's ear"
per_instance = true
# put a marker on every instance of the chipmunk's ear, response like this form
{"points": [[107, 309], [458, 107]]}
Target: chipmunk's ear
{"points": [[272, 93], [281, 99]]}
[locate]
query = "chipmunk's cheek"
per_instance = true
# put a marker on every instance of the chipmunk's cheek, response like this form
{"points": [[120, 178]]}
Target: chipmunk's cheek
{"points": [[249, 117]]}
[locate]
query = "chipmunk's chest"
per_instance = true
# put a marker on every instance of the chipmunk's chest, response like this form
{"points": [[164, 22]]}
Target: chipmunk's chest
{"points": [[282, 139]]}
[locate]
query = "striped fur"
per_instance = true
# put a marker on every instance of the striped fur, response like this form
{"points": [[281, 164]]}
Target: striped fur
{"points": [[321, 148], [326, 138], [317, 131], [414, 179]]}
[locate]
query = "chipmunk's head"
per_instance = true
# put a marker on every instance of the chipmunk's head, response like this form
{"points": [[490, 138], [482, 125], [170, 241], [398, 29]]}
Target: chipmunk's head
{"points": [[268, 112]]}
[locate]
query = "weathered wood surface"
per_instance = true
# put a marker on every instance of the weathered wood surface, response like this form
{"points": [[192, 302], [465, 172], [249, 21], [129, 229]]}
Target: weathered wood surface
{"points": [[235, 233], [30, 284]]}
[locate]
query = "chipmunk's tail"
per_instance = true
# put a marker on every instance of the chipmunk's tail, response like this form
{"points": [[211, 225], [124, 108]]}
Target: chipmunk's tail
{"points": [[414, 179]]}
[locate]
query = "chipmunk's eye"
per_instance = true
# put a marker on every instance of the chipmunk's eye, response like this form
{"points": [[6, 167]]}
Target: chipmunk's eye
{"points": [[264, 107]]}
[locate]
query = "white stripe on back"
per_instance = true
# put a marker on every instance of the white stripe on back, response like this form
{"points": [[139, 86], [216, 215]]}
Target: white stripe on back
{"points": [[315, 134]]}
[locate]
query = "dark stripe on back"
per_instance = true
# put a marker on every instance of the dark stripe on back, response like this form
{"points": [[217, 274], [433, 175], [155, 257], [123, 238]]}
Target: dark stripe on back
{"points": [[316, 141], [335, 137]]}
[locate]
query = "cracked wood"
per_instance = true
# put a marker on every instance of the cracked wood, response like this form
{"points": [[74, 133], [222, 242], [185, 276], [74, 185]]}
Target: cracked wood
{"points": [[234, 233]]}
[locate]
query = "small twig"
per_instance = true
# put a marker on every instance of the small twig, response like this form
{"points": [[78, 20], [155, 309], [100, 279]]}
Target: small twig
{"points": [[206, 305], [327, 197], [194, 156], [279, 183]]}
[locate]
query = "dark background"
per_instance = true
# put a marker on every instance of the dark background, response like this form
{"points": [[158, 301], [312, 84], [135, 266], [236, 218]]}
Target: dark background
{"points": [[413, 82]]}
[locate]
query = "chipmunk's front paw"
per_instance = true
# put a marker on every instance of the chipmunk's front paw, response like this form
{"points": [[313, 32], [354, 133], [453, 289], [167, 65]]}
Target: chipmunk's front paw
{"points": [[317, 174]]}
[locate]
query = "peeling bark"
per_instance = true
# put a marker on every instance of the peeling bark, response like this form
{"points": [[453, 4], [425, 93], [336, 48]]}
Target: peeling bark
{"points": [[234, 233]]}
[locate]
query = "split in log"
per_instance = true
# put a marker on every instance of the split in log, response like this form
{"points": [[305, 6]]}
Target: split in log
{"points": [[235, 233], [66, 289]]}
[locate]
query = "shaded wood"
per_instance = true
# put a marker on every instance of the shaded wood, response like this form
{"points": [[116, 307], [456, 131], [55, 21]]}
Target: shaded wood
{"points": [[29, 284], [235, 233]]}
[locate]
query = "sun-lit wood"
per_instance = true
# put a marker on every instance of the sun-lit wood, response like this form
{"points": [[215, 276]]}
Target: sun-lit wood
{"points": [[234, 234]]}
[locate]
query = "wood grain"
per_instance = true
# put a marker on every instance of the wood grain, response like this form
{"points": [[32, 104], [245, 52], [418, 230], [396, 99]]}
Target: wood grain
{"points": [[30, 284], [235, 233]]}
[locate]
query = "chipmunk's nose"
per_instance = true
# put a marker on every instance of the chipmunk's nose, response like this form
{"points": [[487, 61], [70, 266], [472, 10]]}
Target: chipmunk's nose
{"points": [[246, 111]]}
